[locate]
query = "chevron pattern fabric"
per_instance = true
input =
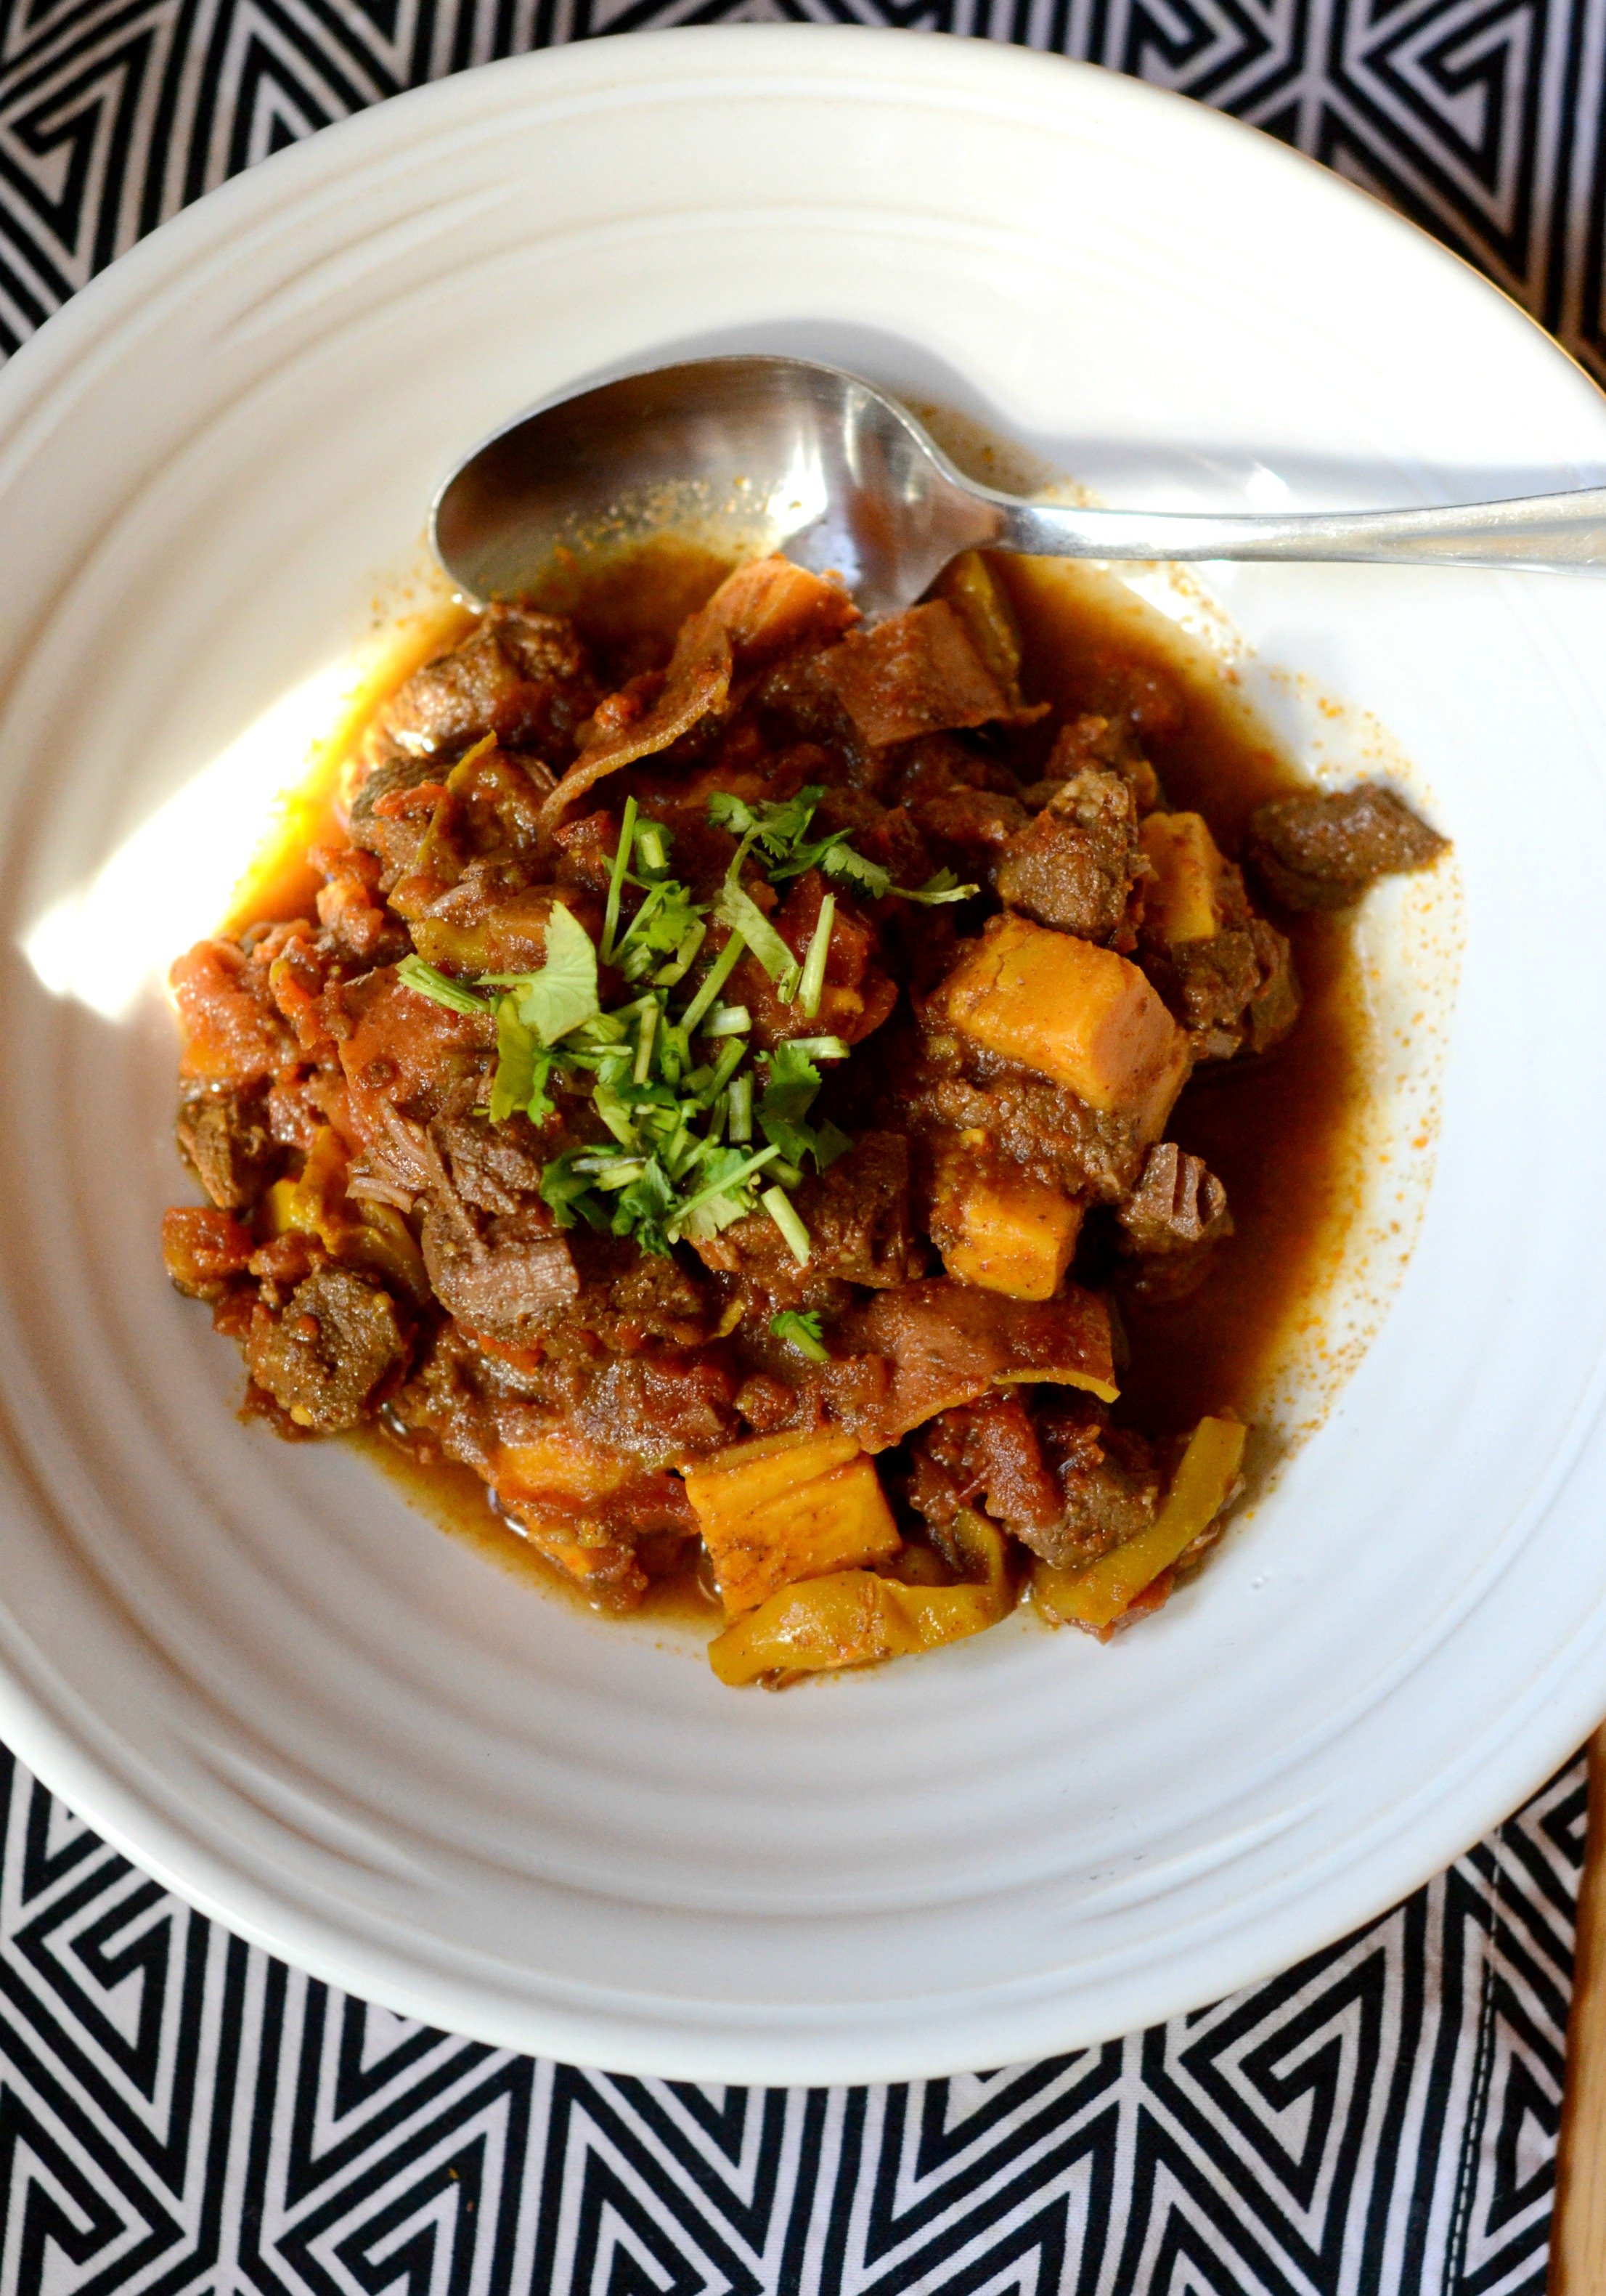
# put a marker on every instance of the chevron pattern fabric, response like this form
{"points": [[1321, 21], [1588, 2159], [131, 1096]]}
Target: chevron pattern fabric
{"points": [[1486, 120], [182, 2116]]}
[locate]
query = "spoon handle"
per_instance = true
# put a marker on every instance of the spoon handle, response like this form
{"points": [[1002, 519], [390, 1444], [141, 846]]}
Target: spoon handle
{"points": [[1542, 533]]}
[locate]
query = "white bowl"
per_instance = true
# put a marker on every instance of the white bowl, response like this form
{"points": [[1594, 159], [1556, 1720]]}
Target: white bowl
{"points": [[348, 1736]]}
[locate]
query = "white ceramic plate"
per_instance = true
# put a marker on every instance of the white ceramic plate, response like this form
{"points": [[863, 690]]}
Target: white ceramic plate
{"points": [[345, 1735]]}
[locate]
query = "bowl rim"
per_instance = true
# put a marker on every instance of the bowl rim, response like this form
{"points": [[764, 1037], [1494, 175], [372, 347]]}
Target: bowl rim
{"points": [[36, 386]]}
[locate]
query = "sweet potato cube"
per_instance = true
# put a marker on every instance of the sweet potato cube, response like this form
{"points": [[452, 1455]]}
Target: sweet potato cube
{"points": [[1014, 1236], [1075, 1012], [1183, 897], [559, 1464], [788, 1507]]}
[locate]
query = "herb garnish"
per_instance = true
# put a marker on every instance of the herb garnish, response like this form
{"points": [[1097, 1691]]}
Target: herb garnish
{"points": [[779, 834], [801, 1327], [681, 1160]]}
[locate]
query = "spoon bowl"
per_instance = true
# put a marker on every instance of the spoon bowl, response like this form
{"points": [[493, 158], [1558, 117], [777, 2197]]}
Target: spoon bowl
{"points": [[752, 454], [746, 455]]}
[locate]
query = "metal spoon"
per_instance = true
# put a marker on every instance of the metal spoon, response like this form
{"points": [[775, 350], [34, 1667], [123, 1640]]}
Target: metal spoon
{"points": [[754, 454]]}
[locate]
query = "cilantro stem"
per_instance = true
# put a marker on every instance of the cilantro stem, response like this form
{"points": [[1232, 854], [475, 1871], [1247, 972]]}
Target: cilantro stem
{"points": [[651, 840], [722, 966], [681, 962], [725, 1068], [728, 1020], [813, 982], [819, 1048], [741, 1125], [733, 1180], [616, 882], [425, 980], [780, 1209], [644, 1045]]}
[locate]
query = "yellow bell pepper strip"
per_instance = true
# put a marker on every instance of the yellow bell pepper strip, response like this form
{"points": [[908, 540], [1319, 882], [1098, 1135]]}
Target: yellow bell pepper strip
{"points": [[853, 1618], [1096, 1595]]}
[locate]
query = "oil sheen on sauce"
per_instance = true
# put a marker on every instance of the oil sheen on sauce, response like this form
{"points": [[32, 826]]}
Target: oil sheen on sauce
{"points": [[1281, 1133]]}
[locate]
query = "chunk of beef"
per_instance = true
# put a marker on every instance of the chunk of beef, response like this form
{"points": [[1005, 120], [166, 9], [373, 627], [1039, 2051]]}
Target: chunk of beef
{"points": [[1172, 1223], [857, 1212], [1235, 991], [985, 1454], [1075, 866], [513, 1281], [662, 1408], [224, 1138], [520, 675], [1092, 743], [1110, 1480], [947, 1343], [496, 1166], [1322, 852], [948, 1087], [401, 1051], [918, 673], [969, 829], [322, 1358], [631, 1297]]}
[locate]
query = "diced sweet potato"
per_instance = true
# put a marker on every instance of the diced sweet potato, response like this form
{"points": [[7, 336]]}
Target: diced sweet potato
{"points": [[787, 1507], [1183, 897], [559, 1463], [1074, 1012], [1012, 1235]]}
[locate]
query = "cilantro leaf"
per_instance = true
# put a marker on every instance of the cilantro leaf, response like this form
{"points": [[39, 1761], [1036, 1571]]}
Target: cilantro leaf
{"points": [[522, 1070], [801, 1327], [945, 886], [564, 992], [789, 1094], [869, 876]]}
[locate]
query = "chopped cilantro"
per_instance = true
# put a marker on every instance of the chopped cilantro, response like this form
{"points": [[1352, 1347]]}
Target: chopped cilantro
{"points": [[779, 832], [424, 980], [739, 910], [801, 1327], [789, 1095], [780, 1209]]}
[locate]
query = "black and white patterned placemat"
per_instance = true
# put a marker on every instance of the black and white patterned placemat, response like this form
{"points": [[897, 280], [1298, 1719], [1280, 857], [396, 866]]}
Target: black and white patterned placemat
{"points": [[181, 2116]]}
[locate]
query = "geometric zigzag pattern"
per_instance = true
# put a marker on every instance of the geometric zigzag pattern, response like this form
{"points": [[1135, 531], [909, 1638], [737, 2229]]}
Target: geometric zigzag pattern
{"points": [[1485, 119], [181, 2115]]}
